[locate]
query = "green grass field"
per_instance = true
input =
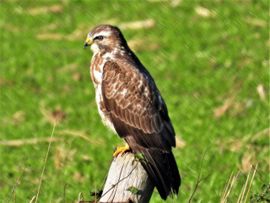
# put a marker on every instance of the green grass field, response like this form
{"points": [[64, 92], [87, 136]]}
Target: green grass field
{"points": [[209, 59]]}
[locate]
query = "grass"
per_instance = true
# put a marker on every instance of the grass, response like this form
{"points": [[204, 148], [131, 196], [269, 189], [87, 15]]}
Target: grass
{"points": [[210, 60]]}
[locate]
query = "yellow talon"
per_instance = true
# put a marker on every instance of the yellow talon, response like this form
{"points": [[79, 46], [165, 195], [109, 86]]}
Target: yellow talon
{"points": [[121, 150]]}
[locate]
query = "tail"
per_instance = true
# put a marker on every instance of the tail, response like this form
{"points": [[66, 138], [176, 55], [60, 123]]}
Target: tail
{"points": [[162, 169]]}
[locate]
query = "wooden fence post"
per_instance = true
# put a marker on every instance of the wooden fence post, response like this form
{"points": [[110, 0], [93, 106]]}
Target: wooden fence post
{"points": [[127, 181]]}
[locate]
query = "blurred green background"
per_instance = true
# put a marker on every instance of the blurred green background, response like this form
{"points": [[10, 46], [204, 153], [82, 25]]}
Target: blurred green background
{"points": [[209, 59]]}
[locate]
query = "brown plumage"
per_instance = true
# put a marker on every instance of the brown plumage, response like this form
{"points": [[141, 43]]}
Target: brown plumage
{"points": [[130, 104]]}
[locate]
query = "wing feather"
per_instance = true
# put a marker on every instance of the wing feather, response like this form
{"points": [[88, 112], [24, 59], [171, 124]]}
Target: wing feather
{"points": [[135, 106]]}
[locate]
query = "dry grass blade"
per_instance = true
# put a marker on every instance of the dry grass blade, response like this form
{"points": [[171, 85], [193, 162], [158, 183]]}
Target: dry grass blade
{"points": [[141, 45], [242, 194], [157, 1], [223, 198], [33, 199], [175, 3], [50, 36], [68, 68], [57, 8], [31, 141], [199, 178], [247, 160], [180, 142], [204, 12], [10, 28], [135, 25], [245, 192], [80, 197], [221, 110], [44, 166], [79, 32], [15, 186], [261, 92], [229, 187], [256, 22], [242, 198], [52, 116], [235, 145], [49, 27], [77, 35], [80, 134], [263, 133], [250, 183]]}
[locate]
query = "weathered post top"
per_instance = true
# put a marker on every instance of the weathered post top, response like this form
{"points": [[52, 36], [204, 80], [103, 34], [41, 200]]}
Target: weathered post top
{"points": [[127, 181]]}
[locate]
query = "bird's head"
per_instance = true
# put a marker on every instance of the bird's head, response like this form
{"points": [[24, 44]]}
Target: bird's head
{"points": [[104, 38]]}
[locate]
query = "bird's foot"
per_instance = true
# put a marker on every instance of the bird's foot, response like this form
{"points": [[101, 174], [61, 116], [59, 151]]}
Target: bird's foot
{"points": [[121, 150]]}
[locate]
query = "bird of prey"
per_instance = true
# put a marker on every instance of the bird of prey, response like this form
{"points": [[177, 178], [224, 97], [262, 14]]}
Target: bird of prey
{"points": [[130, 104]]}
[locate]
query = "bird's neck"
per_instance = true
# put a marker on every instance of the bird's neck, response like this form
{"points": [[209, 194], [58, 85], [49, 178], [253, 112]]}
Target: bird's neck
{"points": [[111, 53]]}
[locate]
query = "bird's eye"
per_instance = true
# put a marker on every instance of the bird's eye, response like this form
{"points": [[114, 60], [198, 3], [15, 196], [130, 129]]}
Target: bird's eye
{"points": [[100, 37]]}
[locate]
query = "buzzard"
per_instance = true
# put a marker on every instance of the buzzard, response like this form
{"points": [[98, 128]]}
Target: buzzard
{"points": [[130, 104]]}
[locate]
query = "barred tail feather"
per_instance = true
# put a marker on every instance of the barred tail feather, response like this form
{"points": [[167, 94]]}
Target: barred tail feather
{"points": [[162, 170]]}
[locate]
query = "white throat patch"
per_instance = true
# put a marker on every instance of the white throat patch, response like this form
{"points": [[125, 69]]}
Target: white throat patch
{"points": [[95, 48]]}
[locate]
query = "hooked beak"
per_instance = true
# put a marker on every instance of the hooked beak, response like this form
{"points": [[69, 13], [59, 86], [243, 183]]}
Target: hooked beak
{"points": [[88, 42]]}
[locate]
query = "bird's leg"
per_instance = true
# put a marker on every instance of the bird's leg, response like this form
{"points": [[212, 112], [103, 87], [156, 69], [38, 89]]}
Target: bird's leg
{"points": [[121, 150]]}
